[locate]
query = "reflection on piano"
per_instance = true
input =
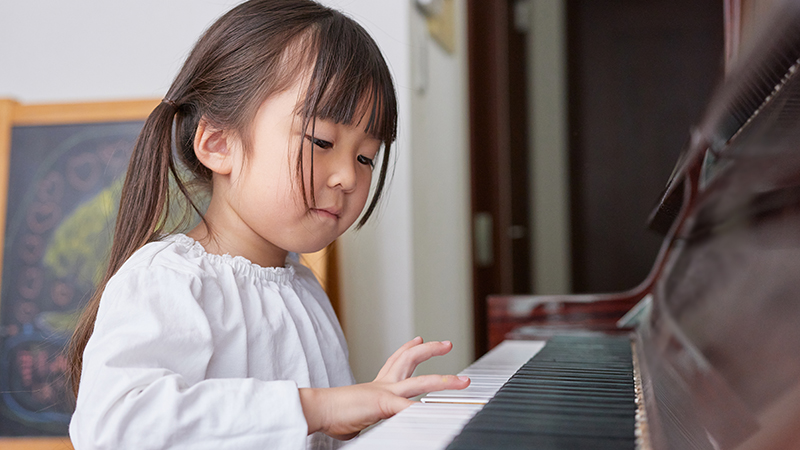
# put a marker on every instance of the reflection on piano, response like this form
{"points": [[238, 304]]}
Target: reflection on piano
{"points": [[715, 349]]}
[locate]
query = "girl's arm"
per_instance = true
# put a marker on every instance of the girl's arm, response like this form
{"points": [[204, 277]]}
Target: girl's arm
{"points": [[342, 412]]}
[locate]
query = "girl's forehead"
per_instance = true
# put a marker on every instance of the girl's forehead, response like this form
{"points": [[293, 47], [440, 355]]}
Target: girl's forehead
{"points": [[342, 93]]}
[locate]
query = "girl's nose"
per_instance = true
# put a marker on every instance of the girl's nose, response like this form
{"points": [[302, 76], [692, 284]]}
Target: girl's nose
{"points": [[342, 173]]}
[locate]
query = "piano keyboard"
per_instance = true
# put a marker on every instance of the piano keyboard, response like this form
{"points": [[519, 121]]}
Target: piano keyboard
{"points": [[440, 416], [575, 392]]}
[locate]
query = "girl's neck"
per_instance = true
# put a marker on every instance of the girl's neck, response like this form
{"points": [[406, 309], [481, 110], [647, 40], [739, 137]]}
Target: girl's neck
{"points": [[214, 242]]}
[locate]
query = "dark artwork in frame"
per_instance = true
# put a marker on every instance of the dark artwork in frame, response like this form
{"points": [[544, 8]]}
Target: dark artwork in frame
{"points": [[63, 189]]}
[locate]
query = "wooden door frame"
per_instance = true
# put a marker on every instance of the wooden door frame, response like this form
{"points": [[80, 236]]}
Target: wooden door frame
{"points": [[498, 149]]}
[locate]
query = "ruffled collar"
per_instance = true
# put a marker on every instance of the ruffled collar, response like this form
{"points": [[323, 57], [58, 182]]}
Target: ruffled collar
{"points": [[241, 265]]}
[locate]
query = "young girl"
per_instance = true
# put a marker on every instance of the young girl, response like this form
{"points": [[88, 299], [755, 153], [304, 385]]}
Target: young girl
{"points": [[218, 338]]}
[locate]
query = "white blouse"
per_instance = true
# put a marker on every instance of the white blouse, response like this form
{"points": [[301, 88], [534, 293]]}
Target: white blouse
{"points": [[198, 351]]}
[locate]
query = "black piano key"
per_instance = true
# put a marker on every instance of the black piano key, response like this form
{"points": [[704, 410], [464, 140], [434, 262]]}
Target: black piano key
{"points": [[576, 409], [561, 411], [569, 394], [604, 378], [550, 401], [576, 372], [548, 424], [528, 383], [577, 392], [573, 408], [498, 441]]}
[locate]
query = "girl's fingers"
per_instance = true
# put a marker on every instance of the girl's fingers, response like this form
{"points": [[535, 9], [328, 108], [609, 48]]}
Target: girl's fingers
{"points": [[423, 384], [389, 362], [408, 360]]}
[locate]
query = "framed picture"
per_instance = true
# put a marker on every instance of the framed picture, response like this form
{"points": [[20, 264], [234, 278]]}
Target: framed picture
{"points": [[61, 172]]}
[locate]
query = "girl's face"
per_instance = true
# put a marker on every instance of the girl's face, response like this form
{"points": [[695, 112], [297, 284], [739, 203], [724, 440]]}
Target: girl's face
{"points": [[260, 205]]}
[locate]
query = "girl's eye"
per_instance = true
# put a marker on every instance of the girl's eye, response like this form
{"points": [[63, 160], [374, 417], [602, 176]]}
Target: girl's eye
{"points": [[366, 161], [325, 145]]}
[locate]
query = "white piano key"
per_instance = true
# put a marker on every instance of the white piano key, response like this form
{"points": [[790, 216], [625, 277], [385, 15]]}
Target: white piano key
{"points": [[420, 426], [489, 373]]}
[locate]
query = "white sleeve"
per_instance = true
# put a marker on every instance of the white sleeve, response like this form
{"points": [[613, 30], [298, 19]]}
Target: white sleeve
{"points": [[143, 384]]}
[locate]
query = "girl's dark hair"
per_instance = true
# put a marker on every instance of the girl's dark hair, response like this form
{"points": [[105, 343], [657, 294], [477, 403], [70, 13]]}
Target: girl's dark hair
{"points": [[259, 48]]}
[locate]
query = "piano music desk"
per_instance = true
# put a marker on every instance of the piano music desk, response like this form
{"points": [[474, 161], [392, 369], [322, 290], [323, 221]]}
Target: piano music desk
{"points": [[544, 316]]}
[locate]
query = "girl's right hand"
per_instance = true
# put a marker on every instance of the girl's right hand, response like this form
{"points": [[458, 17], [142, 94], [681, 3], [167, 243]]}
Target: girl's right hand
{"points": [[342, 412]]}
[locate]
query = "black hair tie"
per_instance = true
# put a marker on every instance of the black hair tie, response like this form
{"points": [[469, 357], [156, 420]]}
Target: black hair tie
{"points": [[170, 103]]}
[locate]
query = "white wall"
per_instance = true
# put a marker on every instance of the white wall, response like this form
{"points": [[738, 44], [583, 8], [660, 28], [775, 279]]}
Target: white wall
{"points": [[549, 158], [440, 194], [81, 50], [405, 273]]}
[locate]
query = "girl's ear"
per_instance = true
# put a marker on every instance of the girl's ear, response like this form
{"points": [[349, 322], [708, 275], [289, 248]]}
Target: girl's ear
{"points": [[213, 148]]}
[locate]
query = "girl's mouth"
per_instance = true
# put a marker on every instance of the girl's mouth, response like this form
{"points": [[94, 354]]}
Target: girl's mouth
{"points": [[329, 213]]}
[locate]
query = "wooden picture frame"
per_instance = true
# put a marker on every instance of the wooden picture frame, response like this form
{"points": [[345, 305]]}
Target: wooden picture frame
{"points": [[43, 123]]}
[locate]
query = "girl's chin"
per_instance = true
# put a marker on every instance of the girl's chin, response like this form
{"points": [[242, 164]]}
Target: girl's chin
{"points": [[313, 247]]}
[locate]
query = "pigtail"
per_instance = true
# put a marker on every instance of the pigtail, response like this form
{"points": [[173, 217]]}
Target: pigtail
{"points": [[146, 189], [142, 211]]}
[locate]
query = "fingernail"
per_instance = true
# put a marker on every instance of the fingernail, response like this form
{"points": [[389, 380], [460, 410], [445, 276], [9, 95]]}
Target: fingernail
{"points": [[447, 343], [463, 378]]}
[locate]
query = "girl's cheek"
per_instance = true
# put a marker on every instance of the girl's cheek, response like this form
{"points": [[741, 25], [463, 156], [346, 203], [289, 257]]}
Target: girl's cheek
{"points": [[364, 196]]}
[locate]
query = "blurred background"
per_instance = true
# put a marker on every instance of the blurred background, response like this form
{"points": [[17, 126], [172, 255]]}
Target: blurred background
{"points": [[535, 137]]}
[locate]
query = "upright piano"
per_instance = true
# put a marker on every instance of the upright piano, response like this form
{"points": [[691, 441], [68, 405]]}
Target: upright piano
{"points": [[708, 356]]}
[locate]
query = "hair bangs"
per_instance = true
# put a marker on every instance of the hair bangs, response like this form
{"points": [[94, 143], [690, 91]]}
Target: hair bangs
{"points": [[350, 82]]}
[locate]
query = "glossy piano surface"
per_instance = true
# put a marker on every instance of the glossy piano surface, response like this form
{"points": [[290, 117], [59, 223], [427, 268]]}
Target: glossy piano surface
{"points": [[720, 344]]}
